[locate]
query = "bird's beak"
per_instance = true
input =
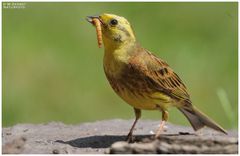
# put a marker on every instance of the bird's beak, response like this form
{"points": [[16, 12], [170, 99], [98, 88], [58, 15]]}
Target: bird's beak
{"points": [[90, 19]]}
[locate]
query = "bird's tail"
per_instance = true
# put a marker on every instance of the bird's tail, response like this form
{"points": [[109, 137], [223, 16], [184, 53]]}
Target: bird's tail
{"points": [[198, 120]]}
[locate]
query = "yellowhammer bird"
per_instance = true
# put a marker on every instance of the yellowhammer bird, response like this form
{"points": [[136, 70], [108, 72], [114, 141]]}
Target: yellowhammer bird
{"points": [[140, 78]]}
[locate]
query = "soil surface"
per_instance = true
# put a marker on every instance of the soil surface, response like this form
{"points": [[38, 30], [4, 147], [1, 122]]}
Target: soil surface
{"points": [[108, 137]]}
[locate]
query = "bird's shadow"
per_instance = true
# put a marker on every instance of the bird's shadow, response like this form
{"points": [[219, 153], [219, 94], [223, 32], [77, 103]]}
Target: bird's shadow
{"points": [[103, 141]]}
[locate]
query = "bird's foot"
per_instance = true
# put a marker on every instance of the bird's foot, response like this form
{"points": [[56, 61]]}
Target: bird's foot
{"points": [[157, 135], [130, 138]]}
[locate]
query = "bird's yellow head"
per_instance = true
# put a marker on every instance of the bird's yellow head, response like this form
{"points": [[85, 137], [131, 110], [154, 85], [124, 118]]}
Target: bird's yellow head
{"points": [[116, 30]]}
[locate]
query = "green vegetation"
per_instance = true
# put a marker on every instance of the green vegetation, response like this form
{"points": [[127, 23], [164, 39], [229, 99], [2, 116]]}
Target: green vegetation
{"points": [[52, 67]]}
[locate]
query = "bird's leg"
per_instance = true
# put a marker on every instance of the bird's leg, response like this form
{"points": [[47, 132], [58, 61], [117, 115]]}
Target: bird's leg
{"points": [[137, 116], [164, 119]]}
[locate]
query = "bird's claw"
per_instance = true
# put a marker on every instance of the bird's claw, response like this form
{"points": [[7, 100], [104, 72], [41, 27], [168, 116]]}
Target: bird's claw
{"points": [[157, 136], [130, 138]]}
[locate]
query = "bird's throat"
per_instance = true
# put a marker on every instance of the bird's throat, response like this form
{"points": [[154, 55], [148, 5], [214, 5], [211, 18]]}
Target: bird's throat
{"points": [[116, 57]]}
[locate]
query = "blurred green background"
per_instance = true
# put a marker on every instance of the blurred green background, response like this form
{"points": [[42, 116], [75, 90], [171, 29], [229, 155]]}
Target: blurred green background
{"points": [[52, 66]]}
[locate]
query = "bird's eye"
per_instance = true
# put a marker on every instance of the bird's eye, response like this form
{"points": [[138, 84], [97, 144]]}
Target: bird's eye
{"points": [[113, 22]]}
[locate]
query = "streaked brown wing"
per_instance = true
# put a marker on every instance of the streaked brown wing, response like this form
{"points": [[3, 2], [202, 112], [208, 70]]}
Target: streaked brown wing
{"points": [[159, 75]]}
